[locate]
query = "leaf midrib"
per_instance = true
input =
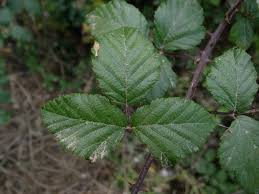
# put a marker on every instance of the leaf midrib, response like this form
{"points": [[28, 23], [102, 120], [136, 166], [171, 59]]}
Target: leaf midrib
{"points": [[84, 120], [125, 67], [168, 124]]}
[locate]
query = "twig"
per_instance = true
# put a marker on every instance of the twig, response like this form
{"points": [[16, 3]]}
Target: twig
{"points": [[203, 60], [128, 110], [253, 111], [222, 113], [206, 53], [223, 126], [136, 187]]}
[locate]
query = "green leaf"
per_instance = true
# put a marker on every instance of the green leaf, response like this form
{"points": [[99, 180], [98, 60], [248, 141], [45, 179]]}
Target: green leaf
{"points": [[172, 127], [250, 8], [1, 42], [204, 167], [126, 65], [4, 117], [87, 125], [3, 80], [215, 2], [4, 97], [32, 7], [2, 66], [16, 5], [166, 81], [239, 151], [3, 74], [232, 80], [5, 16], [178, 25], [20, 33], [114, 15], [242, 33]]}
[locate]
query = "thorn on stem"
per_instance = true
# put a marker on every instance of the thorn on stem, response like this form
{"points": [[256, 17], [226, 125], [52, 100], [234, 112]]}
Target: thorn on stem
{"points": [[227, 19], [197, 60], [161, 52]]}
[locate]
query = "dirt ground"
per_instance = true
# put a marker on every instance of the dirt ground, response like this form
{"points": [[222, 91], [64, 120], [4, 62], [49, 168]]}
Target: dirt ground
{"points": [[30, 159]]}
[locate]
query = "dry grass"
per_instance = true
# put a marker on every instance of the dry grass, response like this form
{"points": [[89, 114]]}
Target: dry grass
{"points": [[31, 161]]}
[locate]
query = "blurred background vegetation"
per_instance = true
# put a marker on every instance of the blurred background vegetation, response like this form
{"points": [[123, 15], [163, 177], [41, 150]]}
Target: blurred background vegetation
{"points": [[45, 51]]}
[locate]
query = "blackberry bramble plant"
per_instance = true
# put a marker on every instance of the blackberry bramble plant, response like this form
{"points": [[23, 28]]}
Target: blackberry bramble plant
{"points": [[134, 74]]}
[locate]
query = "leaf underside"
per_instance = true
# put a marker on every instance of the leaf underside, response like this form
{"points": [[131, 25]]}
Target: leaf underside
{"points": [[239, 151], [172, 127], [114, 15], [87, 125], [126, 65], [178, 25], [232, 80]]}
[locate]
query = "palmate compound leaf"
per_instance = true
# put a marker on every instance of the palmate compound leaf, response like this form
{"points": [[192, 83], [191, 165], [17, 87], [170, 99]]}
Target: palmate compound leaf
{"points": [[126, 65], [178, 25], [88, 125], [166, 81], [232, 80], [114, 15], [172, 127], [239, 152]]}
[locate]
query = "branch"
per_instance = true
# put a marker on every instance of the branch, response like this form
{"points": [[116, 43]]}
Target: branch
{"points": [[253, 111], [136, 187], [128, 110], [203, 60], [206, 53]]}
